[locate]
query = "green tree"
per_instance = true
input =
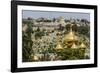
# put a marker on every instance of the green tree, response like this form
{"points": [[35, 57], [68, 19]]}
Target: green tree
{"points": [[74, 28], [27, 43], [67, 27], [83, 30]]}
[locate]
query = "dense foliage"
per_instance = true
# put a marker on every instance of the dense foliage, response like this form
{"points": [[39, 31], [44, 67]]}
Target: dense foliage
{"points": [[39, 44]]}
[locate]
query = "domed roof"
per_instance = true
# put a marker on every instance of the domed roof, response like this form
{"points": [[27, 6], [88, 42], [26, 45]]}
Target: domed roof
{"points": [[82, 45], [74, 46], [71, 36], [59, 47]]}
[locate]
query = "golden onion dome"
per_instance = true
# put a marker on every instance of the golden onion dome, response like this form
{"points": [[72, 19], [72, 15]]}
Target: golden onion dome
{"points": [[74, 46], [70, 36], [59, 47], [82, 45]]}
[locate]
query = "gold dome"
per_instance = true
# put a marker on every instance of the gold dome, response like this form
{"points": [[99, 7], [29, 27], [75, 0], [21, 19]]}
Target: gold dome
{"points": [[59, 47], [70, 36], [82, 45], [74, 46]]}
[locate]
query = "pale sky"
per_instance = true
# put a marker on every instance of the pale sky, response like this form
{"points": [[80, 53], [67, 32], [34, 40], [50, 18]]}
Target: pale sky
{"points": [[51, 14]]}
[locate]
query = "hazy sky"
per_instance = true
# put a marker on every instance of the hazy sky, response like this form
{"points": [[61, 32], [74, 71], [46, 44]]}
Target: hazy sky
{"points": [[51, 14]]}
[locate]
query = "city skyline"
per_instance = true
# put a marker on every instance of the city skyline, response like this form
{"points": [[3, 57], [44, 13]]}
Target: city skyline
{"points": [[53, 14]]}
